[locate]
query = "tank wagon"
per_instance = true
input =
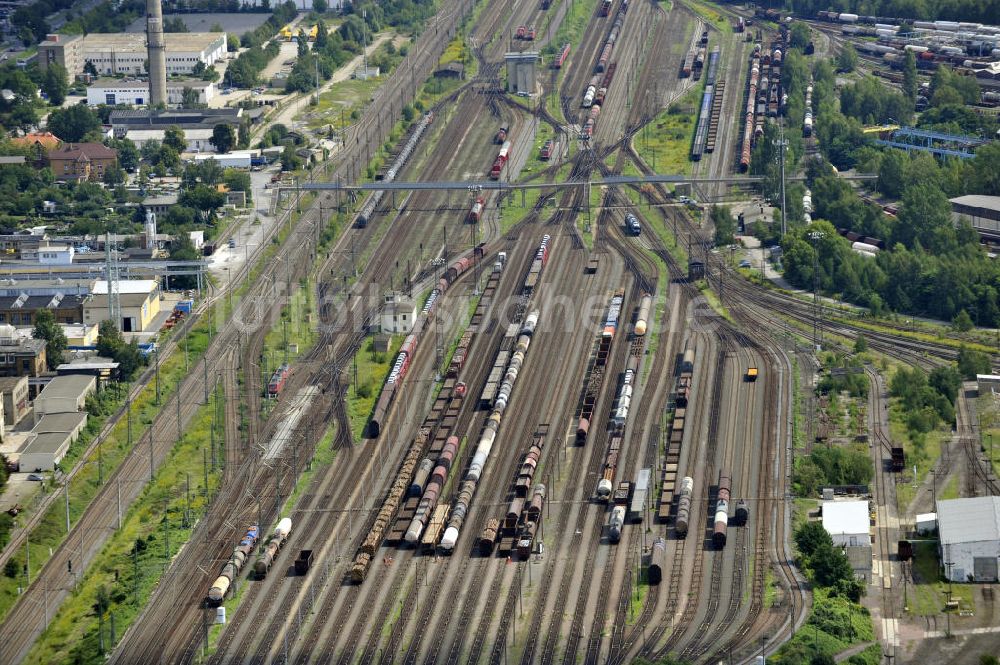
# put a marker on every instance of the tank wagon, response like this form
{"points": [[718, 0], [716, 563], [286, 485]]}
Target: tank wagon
{"points": [[615, 524], [273, 545], [242, 551], [721, 520], [683, 520], [409, 347], [429, 500], [368, 209], [657, 561], [642, 321]]}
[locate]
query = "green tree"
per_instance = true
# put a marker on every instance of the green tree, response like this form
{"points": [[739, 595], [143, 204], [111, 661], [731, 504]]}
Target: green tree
{"points": [[799, 35], [962, 322], [216, 27], [891, 178], [174, 24], [55, 83], [322, 33], [972, 362], [238, 180], [289, 160], [128, 154], [320, 6], [860, 344], [73, 123], [232, 43], [223, 137], [947, 381], [203, 198], [173, 137], [189, 97], [910, 83], [111, 344], [847, 59], [55, 339], [114, 176], [725, 225]]}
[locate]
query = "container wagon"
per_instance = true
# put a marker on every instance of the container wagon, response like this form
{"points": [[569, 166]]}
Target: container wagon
{"points": [[563, 55], [637, 507]]}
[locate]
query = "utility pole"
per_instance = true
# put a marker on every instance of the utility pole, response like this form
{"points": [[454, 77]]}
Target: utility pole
{"points": [[814, 236], [782, 145]]}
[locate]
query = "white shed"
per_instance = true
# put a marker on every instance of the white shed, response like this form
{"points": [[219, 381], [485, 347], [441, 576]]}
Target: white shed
{"points": [[847, 522], [926, 523], [970, 538], [64, 394]]}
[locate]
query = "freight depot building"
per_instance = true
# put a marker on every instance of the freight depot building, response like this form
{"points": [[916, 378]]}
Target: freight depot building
{"points": [[135, 92], [980, 212], [970, 538], [125, 53]]}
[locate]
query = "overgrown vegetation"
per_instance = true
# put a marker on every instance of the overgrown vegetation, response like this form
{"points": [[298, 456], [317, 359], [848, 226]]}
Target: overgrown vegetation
{"points": [[837, 619]]}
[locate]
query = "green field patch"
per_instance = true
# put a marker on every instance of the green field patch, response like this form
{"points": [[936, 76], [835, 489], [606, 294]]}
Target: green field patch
{"points": [[365, 379], [929, 592]]}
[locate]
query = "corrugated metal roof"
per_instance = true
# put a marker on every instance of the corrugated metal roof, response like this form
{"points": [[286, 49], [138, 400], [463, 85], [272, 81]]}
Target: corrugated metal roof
{"points": [[978, 201], [845, 517], [969, 520]]}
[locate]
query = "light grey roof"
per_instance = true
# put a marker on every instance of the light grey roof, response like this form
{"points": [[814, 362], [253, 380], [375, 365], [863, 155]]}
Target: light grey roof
{"points": [[978, 201], [60, 422], [969, 520], [860, 556], [48, 442], [841, 517], [68, 385]]}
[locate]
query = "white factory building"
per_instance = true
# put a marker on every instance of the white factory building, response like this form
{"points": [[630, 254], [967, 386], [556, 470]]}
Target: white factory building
{"points": [[135, 92], [847, 522], [125, 53], [970, 538]]}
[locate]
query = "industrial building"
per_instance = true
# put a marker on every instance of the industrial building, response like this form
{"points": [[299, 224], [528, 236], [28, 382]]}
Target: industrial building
{"points": [[988, 383], [21, 309], [64, 394], [521, 72], [135, 92], [20, 356], [125, 53], [140, 303], [980, 212], [847, 522], [141, 126], [49, 441], [969, 538], [398, 314], [15, 399]]}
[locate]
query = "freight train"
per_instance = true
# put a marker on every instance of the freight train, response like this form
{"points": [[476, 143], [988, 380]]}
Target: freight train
{"points": [[609, 43], [721, 520], [619, 416], [467, 489], [368, 209], [271, 548], [405, 356], [501, 161], [705, 113], [241, 553]]}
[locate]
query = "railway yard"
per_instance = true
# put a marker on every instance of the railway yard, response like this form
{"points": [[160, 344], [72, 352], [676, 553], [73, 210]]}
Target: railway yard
{"points": [[580, 453]]}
